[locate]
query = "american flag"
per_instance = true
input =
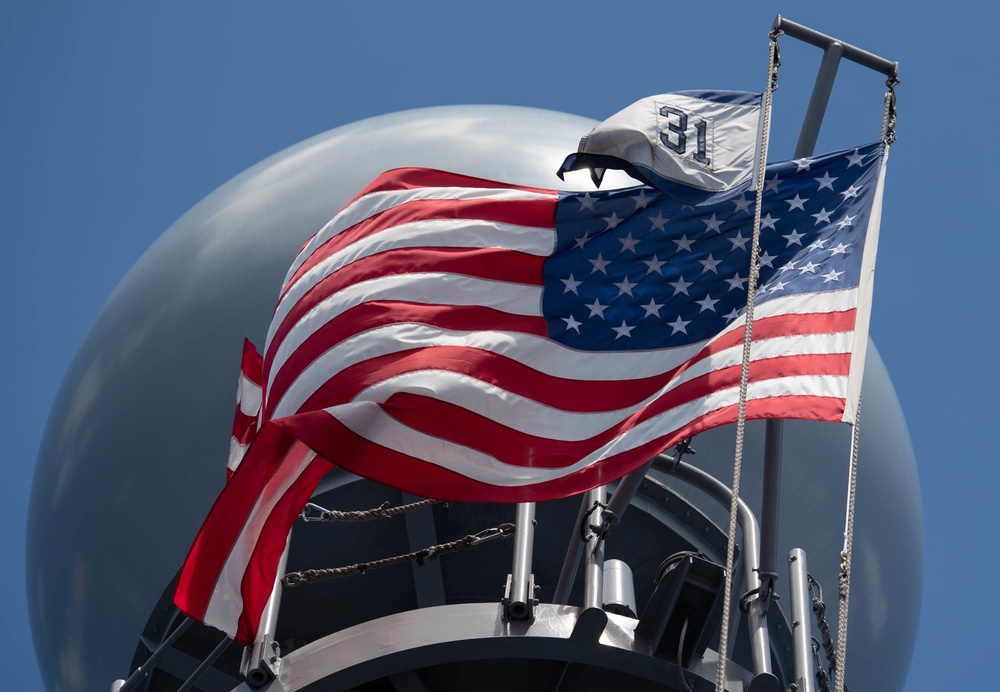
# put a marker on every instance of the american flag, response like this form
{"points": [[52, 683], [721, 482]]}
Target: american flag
{"points": [[249, 394], [465, 339]]}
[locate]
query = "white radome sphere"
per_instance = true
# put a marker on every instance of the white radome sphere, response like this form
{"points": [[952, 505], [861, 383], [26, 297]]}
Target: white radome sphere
{"points": [[134, 451]]}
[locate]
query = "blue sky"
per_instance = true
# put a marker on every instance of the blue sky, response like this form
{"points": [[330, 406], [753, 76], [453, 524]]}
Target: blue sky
{"points": [[117, 117]]}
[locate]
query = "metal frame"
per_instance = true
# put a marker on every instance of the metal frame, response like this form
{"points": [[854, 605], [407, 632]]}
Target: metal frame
{"points": [[760, 646]]}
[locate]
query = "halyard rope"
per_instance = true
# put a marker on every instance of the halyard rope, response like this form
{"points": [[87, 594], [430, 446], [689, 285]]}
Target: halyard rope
{"points": [[772, 75]]}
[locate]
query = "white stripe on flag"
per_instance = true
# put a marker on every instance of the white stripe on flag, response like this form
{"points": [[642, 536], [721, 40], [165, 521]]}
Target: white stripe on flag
{"points": [[368, 420], [377, 202], [226, 604]]}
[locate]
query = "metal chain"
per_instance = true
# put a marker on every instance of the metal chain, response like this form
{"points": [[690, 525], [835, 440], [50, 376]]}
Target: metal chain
{"points": [[313, 512], [819, 610], [889, 112], [821, 678], [421, 557], [845, 554], [772, 78]]}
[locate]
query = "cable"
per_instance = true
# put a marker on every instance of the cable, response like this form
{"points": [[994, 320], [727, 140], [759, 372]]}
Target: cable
{"points": [[680, 652]]}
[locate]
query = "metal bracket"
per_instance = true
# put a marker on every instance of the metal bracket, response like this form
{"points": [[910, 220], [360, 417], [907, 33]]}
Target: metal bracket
{"points": [[261, 662], [519, 610]]}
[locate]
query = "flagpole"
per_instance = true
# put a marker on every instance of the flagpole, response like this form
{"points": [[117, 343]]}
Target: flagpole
{"points": [[833, 52], [774, 428]]}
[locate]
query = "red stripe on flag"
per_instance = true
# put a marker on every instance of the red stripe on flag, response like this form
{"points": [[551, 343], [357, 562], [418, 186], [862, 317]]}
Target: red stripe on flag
{"points": [[376, 314], [217, 536], [258, 582], [245, 419], [495, 264], [536, 213], [394, 469], [457, 424], [563, 393]]}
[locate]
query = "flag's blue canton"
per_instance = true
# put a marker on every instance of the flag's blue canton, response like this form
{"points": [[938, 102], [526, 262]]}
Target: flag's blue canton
{"points": [[635, 269]]}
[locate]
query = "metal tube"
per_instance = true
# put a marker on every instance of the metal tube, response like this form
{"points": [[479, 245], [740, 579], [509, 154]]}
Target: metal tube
{"points": [[620, 499], [739, 586], [619, 589], [819, 100], [627, 487], [798, 580], [264, 654], [206, 664], [760, 646], [815, 38], [521, 598], [593, 556], [771, 500], [142, 671], [571, 563]]}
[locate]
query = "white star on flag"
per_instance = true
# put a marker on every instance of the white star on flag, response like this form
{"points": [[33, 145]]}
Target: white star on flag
{"points": [[679, 325], [623, 330]]}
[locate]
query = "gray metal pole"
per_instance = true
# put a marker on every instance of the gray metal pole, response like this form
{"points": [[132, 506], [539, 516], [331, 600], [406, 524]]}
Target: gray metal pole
{"points": [[206, 664], [770, 503], [626, 489], [521, 598], [798, 580], [815, 38], [593, 556], [619, 502], [142, 671], [819, 100], [571, 563]]}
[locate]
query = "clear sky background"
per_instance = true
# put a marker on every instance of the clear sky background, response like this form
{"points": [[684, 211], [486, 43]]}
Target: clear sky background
{"points": [[117, 117]]}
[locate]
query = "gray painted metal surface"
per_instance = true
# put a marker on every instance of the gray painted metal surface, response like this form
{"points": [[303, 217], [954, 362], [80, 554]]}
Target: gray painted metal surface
{"points": [[571, 561], [798, 583], [593, 551], [852, 53], [619, 589], [478, 633], [522, 594], [136, 442]]}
